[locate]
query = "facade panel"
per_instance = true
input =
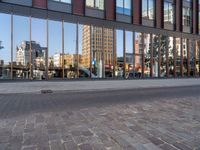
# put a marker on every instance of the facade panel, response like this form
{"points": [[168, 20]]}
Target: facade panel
{"points": [[110, 9], [178, 15], [40, 4], [159, 13], [78, 7], [137, 12]]}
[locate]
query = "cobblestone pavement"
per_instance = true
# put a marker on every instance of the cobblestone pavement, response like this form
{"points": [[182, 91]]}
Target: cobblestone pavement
{"points": [[161, 124]]}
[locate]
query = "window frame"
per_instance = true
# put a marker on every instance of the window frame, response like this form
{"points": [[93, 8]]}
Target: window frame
{"points": [[95, 5], [148, 2], [124, 8]]}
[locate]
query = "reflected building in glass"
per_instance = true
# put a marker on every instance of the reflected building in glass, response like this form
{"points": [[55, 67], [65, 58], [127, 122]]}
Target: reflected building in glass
{"points": [[118, 39]]}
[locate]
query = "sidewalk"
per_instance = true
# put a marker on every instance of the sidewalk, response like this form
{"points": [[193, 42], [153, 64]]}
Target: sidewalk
{"points": [[98, 85]]}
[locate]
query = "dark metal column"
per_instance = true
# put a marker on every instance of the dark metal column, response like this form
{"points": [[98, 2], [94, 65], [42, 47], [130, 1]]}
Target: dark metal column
{"points": [[114, 51], [63, 49], [30, 51], [159, 56], [151, 56], [124, 52], [189, 44], [181, 58], [11, 75], [167, 57], [47, 50], [143, 59]]}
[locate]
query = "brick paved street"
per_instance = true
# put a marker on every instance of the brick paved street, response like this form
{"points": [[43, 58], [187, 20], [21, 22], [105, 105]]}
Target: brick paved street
{"points": [[149, 119]]}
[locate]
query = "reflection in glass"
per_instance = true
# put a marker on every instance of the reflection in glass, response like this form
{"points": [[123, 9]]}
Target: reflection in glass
{"points": [[178, 57], [39, 48], [5, 46], [192, 58], [70, 55], [84, 52], [155, 55], [148, 9], [108, 52], [185, 56], [129, 55], [97, 51], [147, 54], [138, 51], [119, 58], [197, 58], [55, 50], [163, 54], [171, 56], [21, 48]]}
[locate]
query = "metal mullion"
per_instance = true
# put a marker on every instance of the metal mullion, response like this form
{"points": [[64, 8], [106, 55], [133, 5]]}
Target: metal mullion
{"points": [[181, 58], [11, 75], [159, 56], [91, 51], [142, 55], [77, 48], [114, 52], [103, 53], [151, 56], [47, 49], [63, 49], [133, 50], [124, 51], [188, 57], [167, 59], [30, 51], [195, 51]]}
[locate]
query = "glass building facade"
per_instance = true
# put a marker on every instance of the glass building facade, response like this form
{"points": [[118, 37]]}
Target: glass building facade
{"points": [[46, 47]]}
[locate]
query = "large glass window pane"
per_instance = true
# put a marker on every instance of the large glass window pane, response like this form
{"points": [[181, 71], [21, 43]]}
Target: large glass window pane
{"points": [[171, 56], [55, 50], [148, 9], [192, 57], [84, 51], [39, 48], [198, 58], [5, 46], [138, 52], [147, 54], [99, 4], [185, 56], [119, 58], [21, 41], [97, 51], [120, 6], [70, 51], [151, 9], [127, 7], [108, 52], [168, 12], [163, 54], [156, 42], [178, 57], [90, 3], [123, 7], [64, 1], [129, 55]]}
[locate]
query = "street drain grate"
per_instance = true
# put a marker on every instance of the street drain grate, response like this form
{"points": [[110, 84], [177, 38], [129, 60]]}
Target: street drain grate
{"points": [[46, 91]]}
